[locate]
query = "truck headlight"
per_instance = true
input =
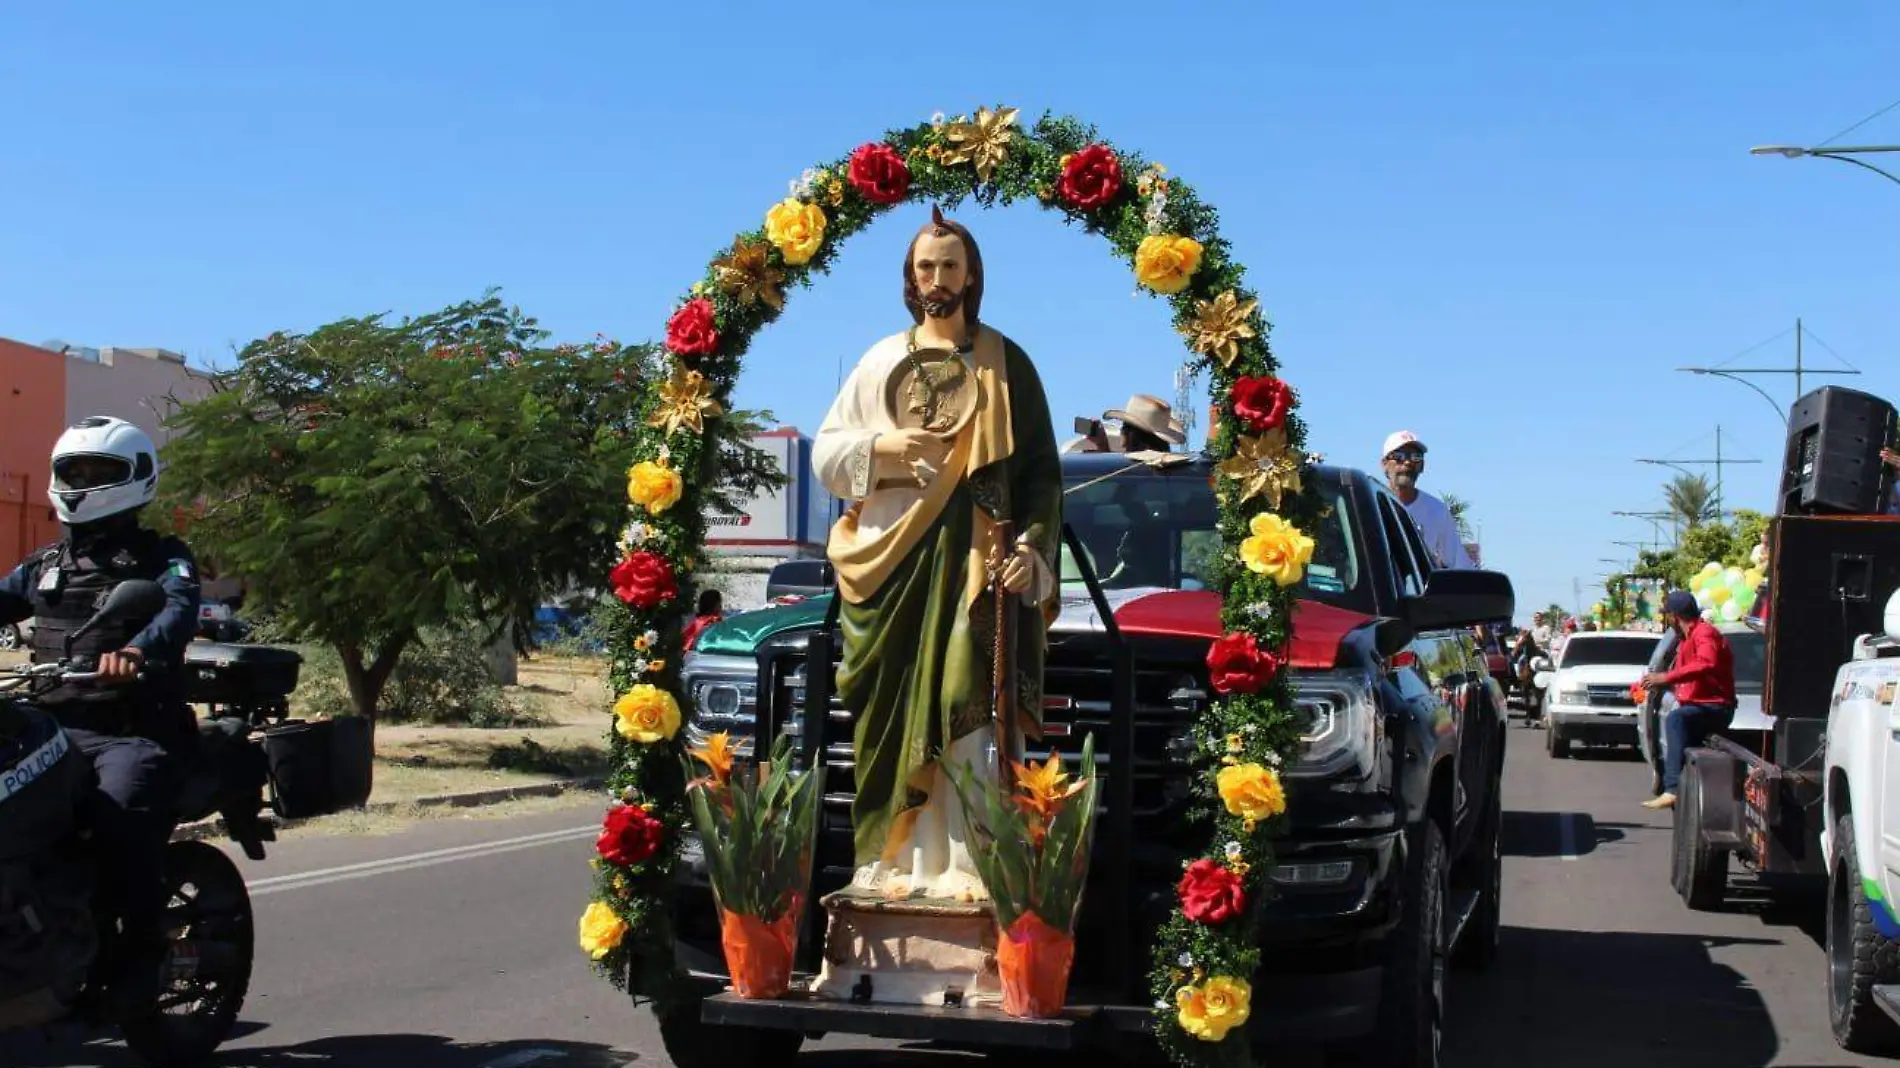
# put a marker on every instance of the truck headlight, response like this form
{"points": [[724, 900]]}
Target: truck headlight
{"points": [[723, 692], [1342, 725], [1573, 695]]}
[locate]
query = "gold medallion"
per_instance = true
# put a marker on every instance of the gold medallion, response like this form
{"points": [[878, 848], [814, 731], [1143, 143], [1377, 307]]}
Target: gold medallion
{"points": [[934, 390]]}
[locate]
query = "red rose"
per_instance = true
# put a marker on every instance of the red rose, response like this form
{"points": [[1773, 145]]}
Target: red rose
{"points": [[691, 331], [629, 835], [644, 580], [1237, 664], [1211, 893], [1262, 403], [1090, 178], [879, 174]]}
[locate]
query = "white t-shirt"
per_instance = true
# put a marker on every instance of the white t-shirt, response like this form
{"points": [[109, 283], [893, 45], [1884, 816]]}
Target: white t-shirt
{"points": [[1439, 530]]}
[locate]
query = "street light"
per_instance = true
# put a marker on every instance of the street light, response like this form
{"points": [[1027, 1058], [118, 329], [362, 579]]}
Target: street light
{"points": [[1732, 377], [1844, 154]]}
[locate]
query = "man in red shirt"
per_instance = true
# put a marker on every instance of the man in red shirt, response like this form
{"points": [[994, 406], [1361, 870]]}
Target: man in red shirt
{"points": [[711, 610], [1703, 680]]}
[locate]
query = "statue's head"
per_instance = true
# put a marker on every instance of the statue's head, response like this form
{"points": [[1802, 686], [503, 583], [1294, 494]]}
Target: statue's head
{"points": [[943, 272]]}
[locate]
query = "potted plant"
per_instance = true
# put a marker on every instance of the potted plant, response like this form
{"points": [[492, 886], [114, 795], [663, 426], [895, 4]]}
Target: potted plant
{"points": [[1030, 839], [757, 826]]}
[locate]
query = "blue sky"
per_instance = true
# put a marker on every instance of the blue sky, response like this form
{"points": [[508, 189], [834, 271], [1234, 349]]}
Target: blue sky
{"points": [[1497, 226]]}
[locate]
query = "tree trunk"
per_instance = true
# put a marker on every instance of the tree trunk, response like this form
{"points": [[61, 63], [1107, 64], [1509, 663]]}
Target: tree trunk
{"points": [[366, 680]]}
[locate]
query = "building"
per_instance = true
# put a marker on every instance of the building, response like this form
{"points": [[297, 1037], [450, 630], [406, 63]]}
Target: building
{"points": [[44, 390], [789, 524]]}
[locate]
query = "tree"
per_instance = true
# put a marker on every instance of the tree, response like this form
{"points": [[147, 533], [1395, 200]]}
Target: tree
{"points": [[1691, 500], [1727, 543], [372, 479]]}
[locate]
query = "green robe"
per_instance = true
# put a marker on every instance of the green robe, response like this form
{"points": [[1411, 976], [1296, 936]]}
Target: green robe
{"points": [[917, 664]]}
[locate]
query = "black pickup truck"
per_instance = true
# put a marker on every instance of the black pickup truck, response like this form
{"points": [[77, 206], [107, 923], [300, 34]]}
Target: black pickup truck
{"points": [[1391, 867]]}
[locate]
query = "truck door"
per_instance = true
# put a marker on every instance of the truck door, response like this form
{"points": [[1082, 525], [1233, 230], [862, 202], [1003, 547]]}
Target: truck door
{"points": [[1873, 687]]}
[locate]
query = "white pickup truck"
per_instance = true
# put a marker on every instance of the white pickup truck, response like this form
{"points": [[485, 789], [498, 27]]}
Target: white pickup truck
{"points": [[1861, 839]]}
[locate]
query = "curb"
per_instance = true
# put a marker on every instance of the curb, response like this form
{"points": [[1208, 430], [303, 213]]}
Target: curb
{"points": [[214, 827]]}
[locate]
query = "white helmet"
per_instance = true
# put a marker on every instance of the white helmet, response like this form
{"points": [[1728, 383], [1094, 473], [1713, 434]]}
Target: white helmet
{"points": [[102, 466]]}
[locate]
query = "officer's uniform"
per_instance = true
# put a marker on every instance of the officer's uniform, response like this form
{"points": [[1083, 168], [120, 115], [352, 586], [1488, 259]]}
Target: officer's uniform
{"points": [[133, 732]]}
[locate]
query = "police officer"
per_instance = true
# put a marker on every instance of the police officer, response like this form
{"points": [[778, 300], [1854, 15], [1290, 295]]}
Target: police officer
{"points": [[104, 472]]}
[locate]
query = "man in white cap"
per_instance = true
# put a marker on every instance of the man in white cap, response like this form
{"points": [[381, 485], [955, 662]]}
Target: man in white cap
{"points": [[1403, 460], [1148, 425]]}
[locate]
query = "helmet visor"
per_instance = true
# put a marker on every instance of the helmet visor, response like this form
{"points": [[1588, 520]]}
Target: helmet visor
{"points": [[90, 471]]}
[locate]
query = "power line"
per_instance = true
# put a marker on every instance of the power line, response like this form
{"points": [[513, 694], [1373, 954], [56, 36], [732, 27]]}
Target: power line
{"points": [[1817, 338], [1757, 347], [1858, 125]]}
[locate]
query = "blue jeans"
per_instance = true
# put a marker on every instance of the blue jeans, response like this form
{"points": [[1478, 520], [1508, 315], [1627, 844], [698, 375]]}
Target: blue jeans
{"points": [[1687, 726]]}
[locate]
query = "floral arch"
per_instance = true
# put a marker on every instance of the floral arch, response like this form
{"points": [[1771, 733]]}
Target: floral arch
{"points": [[1205, 954]]}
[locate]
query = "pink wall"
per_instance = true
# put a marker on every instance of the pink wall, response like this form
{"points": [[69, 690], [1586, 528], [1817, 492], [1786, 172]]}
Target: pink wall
{"points": [[132, 386]]}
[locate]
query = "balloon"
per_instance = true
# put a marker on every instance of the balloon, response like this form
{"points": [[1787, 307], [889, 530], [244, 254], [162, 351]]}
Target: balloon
{"points": [[1720, 595], [1731, 612], [1711, 567], [1732, 575], [1753, 577]]}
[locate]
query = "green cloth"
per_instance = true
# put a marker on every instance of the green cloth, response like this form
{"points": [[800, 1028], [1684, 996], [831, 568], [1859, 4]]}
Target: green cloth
{"points": [[916, 670]]}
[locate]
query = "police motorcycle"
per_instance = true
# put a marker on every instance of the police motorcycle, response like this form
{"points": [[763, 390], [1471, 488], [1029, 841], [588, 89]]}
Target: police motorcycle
{"points": [[50, 934]]}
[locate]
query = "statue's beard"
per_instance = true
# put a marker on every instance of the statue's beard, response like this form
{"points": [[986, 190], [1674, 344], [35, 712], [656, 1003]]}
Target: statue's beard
{"points": [[942, 304]]}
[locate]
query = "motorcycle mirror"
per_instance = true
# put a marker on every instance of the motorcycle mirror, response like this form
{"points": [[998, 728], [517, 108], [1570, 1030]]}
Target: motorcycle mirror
{"points": [[138, 599]]}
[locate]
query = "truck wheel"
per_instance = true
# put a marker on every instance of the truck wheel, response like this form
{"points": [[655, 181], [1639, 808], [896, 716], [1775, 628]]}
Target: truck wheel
{"points": [[1701, 869], [692, 1043], [1558, 745], [1410, 1033], [1858, 958], [1478, 947]]}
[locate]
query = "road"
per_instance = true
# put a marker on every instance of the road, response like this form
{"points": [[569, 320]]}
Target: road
{"points": [[450, 944]]}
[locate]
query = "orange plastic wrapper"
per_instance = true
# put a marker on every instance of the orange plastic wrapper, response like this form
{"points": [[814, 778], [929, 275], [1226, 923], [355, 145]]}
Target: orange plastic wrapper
{"points": [[1033, 960], [759, 954]]}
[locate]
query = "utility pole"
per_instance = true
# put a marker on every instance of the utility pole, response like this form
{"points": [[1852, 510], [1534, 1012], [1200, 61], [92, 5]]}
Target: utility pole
{"points": [[1800, 371], [1719, 461]]}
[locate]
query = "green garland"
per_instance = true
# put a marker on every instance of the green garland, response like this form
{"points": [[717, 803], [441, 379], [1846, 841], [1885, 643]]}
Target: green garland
{"points": [[1201, 969]]}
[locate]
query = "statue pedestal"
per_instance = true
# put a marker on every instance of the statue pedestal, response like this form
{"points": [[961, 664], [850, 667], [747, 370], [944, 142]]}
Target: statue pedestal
{"points": [[913, 951]]}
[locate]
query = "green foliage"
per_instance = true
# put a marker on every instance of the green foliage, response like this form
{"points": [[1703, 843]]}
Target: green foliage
{"points": [[441, 678], [1027, 867], [1460, 510], [758, 834], [1728, 543], [1691, 500], [374, 478]]}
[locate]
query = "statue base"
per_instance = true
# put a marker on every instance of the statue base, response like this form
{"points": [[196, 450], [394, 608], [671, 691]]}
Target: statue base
{"points": [[909, 951]]}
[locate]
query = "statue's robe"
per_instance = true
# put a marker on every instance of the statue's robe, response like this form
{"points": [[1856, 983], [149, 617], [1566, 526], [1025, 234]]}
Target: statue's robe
{"points": [[917, 613]]}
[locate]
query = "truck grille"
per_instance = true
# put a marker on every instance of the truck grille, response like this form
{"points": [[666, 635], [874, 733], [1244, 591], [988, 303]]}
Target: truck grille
{"points": [[1611, 697]]}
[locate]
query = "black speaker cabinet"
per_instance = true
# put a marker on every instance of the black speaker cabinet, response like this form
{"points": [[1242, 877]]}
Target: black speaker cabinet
{"points": [[1828, 583], [1833, 463]]}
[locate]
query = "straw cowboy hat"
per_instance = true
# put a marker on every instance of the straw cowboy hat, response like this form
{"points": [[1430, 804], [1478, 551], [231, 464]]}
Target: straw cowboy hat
{"points": [[1151, 414]]}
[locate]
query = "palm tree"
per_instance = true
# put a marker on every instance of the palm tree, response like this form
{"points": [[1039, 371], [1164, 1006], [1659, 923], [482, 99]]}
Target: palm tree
{"points": [[1691, 500]]}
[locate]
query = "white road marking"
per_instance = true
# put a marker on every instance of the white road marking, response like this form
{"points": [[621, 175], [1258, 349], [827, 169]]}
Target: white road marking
{"points": [[325, 876], [1567, 834], [522, 1057]]}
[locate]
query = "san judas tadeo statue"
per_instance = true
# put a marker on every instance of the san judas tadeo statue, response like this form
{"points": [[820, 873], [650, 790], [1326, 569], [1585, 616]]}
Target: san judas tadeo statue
{"points": [[946, 563]]}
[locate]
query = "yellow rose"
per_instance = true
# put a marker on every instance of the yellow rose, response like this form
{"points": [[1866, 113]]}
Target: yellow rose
{"points": [[1165, 262], [1251, 791], [654, 487], [796, 229], [1214, 1008], [1277, 549], [601, 930], [646, 714]]}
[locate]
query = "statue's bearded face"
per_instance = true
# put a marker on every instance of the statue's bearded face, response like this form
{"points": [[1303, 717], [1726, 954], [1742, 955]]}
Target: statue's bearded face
{"points": [[942, 273]]}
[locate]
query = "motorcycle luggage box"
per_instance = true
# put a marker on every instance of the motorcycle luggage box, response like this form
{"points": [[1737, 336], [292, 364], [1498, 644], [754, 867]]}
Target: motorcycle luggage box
{"points": [[219, 673], [319, 767]]}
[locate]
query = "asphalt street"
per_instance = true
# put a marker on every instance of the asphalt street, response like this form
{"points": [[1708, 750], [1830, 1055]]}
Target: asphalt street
{"points": [[450, 944]]}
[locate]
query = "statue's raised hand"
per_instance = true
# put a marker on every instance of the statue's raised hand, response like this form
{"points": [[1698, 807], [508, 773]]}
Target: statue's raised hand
{"points": [[918, 451]]}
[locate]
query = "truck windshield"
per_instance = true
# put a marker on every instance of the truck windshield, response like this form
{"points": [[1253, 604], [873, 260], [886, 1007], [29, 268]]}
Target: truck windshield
{"points": [[1580, 651], [1149, 529]]}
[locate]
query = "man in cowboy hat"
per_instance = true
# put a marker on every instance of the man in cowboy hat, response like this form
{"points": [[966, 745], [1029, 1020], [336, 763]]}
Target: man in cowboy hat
{"points": [[1148, 425], [1403, 460]]}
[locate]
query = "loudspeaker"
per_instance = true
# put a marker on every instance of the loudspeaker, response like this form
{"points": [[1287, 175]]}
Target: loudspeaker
{"points": [[1833, 460], [1828, 583]]}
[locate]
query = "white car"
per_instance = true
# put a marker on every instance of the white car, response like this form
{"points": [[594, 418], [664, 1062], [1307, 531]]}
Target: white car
{"points": [[1860, 836], [1588, 696]]}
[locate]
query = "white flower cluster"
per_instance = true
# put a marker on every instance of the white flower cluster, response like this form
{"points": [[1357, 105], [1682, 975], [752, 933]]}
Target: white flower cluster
{"points": [[801, 186], [634, 536]]}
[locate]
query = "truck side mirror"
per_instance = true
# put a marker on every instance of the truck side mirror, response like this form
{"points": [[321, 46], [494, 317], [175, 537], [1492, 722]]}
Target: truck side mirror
{"points": [[1462, 598]]}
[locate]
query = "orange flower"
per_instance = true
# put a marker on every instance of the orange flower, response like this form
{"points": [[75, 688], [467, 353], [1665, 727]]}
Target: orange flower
{"points": [[717, 754], [1044, 788]]}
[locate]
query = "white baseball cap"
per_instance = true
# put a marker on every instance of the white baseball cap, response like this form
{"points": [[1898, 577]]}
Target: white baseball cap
{"points": [[1399, 439]]}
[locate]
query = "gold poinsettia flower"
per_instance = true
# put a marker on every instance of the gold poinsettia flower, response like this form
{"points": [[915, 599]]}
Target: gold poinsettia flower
{"points": [[1263, 465], [717, 754], [685, 401], [1220, 325], [746, 275], [983, 142]]}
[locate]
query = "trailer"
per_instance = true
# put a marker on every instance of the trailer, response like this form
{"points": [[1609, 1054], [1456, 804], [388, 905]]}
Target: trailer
{"points": [[1760, 796]]}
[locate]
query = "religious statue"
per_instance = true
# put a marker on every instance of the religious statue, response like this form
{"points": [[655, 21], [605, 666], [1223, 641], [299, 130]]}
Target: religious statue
{"points": [[942, 441]]}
